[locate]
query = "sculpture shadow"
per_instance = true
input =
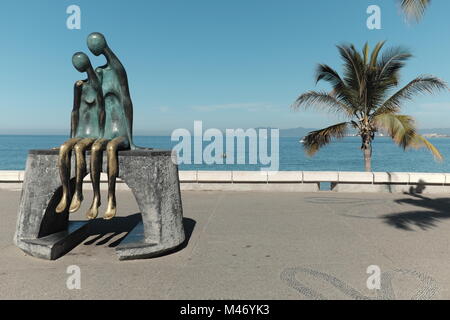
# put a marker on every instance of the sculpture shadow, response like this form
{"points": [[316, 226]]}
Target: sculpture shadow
{"points": [[52, 222], [435, 210], [99, 228]]}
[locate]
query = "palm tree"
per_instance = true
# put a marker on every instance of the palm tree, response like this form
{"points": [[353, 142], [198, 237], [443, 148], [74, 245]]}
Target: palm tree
{"points": [[362, 97], [414, 9]]}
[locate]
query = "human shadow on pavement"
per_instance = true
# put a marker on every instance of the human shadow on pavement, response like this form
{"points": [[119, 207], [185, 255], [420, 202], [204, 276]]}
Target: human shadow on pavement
{"points": [[435, 211], [99, 228], [419, 188]]}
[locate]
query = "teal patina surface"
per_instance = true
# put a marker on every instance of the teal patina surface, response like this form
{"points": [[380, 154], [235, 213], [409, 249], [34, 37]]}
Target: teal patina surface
{"points": [[88, 114], [102, 120], [114, 80]]}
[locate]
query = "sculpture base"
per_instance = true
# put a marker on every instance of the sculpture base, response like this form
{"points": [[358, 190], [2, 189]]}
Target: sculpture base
{"points": [[57, 244], [134, 246], [151, 175]]}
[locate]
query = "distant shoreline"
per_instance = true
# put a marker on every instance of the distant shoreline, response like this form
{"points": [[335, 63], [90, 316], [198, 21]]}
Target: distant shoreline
{"points": [[426, 135], [435, 135]]}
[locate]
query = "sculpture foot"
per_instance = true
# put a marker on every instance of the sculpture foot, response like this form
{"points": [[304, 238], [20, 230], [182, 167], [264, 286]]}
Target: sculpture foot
{"points": [[62, 205], [93, 211], [76, 203], [110, 212]]}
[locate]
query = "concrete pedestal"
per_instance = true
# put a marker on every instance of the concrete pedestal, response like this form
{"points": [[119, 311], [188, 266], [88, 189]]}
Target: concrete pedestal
{"points": [[150, 174]]}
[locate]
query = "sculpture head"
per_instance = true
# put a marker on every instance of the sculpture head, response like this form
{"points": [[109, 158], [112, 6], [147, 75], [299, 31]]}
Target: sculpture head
{"points": [[81, 61], [96, 43]]}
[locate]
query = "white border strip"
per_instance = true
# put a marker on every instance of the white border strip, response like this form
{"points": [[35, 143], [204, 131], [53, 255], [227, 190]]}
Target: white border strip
{"points": [[200, 176]]}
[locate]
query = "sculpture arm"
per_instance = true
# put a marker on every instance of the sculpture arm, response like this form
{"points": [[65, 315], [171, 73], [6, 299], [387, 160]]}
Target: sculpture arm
{"points": [[128, 109], [128, 106], [76, 105], [101, 119], [115, 64]]}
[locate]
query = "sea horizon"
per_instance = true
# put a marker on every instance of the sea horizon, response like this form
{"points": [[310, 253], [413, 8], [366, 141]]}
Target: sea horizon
{"points": [[342, 155]]}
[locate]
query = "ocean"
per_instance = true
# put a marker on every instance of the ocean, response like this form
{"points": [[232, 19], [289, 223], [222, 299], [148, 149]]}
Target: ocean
{"points": [[343, 155]]}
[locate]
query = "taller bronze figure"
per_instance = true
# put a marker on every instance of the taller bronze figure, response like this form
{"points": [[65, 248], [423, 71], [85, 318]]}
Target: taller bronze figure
{"points": [[118, 125], [112, 132]]}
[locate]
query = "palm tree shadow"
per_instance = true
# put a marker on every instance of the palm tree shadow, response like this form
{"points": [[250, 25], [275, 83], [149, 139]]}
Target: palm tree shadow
{"points": [[436, 211], [99, 228]]}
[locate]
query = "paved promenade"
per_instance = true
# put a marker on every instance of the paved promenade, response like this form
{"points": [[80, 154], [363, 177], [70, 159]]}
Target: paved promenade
{"points": [[253, 245]]}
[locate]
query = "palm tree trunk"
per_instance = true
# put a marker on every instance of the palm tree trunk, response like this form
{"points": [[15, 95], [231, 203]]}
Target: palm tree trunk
{"points": [[368, 158], [366, 147]]}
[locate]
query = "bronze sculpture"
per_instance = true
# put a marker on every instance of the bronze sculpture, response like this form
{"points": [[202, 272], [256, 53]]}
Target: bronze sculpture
{"points": [[112, 131], [101, 120]]}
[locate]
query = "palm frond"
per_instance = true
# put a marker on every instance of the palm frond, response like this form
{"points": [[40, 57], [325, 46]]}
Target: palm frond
{"points": [[323, 101], [319, 138], [354, 68], [421, 85], [375, 53], [392, 61], [365, 53], [401, 128], [326, 73], [414, 9], [421, 141], [403, 131], [340, 89]]}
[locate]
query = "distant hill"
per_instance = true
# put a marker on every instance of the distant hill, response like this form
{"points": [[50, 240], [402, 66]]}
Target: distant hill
{"points": [[441, 131], [299, 132]]}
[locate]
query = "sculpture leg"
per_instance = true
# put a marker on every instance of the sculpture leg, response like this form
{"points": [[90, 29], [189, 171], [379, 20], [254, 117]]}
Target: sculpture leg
{"points": [[96, 169], [113, 170], [64, 171], [80, 153]]}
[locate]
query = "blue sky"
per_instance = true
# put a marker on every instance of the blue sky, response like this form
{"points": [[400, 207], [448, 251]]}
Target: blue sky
{"points": [[233, 63]]}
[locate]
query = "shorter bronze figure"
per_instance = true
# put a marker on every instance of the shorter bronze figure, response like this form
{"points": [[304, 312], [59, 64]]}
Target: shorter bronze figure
{"points": [[87, 125]]}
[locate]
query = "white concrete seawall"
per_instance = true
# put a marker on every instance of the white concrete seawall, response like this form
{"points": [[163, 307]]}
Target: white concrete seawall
{"points": [[289, 181]]}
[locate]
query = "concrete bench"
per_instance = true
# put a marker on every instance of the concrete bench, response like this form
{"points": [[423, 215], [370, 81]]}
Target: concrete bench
{"points": [[150, 174]]}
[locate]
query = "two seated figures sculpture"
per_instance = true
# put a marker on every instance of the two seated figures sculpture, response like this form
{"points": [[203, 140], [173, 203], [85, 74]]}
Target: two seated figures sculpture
{"points": [[102, 118], [101, 122]]}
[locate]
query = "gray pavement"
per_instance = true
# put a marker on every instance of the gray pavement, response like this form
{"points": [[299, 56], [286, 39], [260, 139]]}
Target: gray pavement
{"points": [[253, 245]]}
